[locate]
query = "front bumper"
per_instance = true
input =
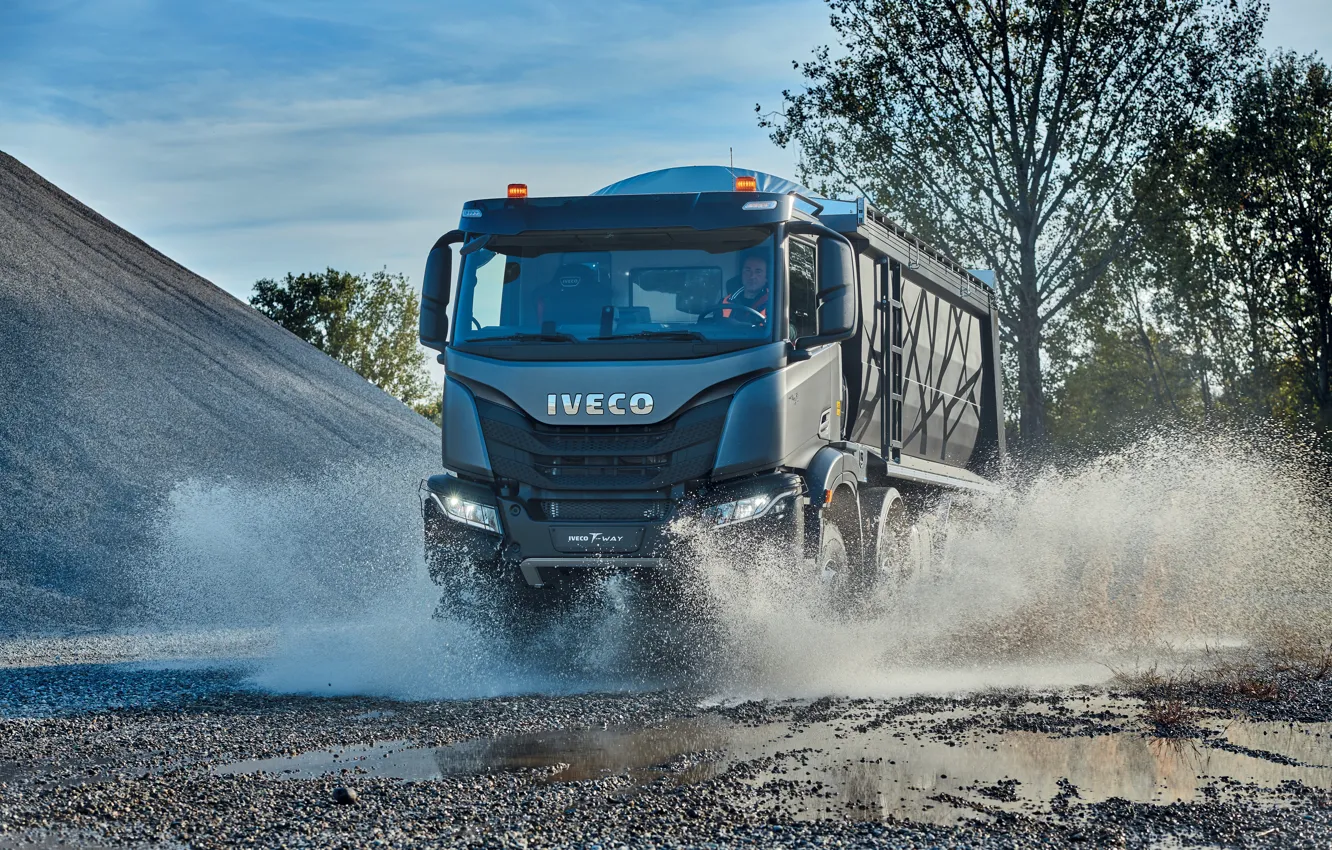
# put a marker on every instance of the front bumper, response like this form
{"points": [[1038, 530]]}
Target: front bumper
{"points": [[542, 550]]}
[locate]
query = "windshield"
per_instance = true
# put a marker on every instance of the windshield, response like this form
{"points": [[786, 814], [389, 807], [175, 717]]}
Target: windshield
{"points": [[629, 286]]}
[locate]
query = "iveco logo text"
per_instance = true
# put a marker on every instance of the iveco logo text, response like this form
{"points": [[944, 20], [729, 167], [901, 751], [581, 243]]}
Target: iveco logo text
{"points": [[594, 537], [598, 404]]}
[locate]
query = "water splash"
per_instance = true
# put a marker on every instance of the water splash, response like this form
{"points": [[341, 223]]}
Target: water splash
{"points": [[331, 573], [1139, 557]]}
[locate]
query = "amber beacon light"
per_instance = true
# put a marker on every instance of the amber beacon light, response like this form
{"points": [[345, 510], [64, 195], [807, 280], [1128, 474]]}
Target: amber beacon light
{"points": [[746, 183], [517, 190]]}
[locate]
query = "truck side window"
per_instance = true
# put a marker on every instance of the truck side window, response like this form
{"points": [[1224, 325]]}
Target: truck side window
{"points": [[489, 270], [803, 289]]}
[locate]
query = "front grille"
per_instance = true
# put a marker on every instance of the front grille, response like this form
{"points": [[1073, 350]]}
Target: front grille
{"points": [[616, 457], [579, 510]]}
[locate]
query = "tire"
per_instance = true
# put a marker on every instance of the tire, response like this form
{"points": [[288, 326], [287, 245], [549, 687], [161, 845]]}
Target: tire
{"points": [[900, 548], [452, 553], [837, 573], [465, 573], [833, 559]]}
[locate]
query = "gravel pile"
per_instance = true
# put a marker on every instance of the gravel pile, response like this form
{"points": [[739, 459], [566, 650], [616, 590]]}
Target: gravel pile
{"points": [[123, 374]]}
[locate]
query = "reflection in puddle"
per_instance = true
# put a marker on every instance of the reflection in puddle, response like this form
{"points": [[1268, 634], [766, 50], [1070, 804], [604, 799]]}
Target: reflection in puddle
{"points": [[908, 768], [564, 756]]}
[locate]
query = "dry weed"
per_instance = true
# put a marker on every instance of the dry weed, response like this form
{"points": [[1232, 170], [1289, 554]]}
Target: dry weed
{"points": [[1170, 716], [1303, 654]]}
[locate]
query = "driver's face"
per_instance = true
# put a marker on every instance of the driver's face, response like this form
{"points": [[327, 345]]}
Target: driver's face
{"points": [[754, 275]]}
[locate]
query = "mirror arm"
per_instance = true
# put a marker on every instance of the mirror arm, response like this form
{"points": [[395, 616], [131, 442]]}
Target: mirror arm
{"points": [[796, 354], [805, 343], [816, 228], [475, 245], [453, 237]]}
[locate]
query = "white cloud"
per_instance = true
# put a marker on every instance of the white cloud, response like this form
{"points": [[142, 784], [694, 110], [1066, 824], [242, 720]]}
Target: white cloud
{"points": [[240, 179]]}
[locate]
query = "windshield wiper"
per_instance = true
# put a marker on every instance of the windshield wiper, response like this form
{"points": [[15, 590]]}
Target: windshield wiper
{"points": [[553, 336], [680, 334]]}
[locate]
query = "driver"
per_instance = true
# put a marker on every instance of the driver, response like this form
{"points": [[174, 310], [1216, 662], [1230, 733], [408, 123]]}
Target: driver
{"points": [[753, 292]]}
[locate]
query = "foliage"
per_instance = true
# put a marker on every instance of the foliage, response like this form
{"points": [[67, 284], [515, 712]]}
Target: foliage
{"points": [[367, 322], [1011, 133], [1127, 378], [1279, 157], [432, 408], [1235, 257], [308, 305]]}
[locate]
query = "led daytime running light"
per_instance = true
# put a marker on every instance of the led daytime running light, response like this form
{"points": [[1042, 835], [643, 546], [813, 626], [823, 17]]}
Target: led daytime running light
{"points": [[458, 509], [740, 510]]}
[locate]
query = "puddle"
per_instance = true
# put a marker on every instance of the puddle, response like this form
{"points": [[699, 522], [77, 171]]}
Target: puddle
{"points": [[376, 714], [57, 774], [915, 767], [880, 773], [567, 755]]}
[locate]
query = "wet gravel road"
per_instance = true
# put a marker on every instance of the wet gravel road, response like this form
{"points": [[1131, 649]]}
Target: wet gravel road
{"points": [[163, 756]]}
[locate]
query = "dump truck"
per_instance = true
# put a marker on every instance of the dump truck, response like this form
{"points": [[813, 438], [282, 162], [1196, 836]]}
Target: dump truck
{"points": [[702, 346]]}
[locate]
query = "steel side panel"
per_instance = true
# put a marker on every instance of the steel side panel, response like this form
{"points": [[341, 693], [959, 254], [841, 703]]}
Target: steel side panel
{"points": [[953, 285], [941, 474], [868, 427], [671, 383], [464, 447], [774, 419], [942, 381]]}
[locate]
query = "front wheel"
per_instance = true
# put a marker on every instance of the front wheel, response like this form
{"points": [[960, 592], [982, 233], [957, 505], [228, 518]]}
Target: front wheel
{"points": [[834, 563], [846, 579]]}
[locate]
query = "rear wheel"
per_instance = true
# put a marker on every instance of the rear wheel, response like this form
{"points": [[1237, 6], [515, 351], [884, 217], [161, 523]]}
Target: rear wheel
{"points": [[900, 546]]}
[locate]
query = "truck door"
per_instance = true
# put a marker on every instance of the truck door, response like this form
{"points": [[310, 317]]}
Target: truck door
{"points": [[813, 414]]}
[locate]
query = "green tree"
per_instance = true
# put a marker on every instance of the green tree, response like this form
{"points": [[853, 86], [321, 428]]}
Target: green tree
{"points": [[1239, 247], [1118, 368], [309, 305], [1280, 153], [368, 322], [1011, 133]]}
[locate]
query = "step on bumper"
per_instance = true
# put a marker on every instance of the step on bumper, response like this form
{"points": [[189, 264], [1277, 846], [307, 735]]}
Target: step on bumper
{"points": [[532, 567]]}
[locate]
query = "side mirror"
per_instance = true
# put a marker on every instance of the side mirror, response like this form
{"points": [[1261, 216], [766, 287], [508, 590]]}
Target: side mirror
{"points": [[837, 289], [435, 286], [837, 285]]}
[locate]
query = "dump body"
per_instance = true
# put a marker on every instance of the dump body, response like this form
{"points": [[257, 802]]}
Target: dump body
{"points": [[671, 347]]}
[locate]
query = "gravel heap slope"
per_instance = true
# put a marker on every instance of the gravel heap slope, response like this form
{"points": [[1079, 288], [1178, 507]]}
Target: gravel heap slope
{"points": [[122, 373]]}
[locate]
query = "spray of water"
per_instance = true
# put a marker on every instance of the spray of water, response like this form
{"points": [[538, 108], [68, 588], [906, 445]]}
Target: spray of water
{"points": [[1172, 543], [1175, 544], [328, 577]]}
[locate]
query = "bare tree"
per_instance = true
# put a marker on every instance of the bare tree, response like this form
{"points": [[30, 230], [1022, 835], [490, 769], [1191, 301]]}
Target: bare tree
{"points": [[1010, 132]]}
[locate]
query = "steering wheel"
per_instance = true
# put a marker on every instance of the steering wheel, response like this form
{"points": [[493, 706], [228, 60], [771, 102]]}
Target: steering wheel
{"points": [[475, 324], [752, 316]]}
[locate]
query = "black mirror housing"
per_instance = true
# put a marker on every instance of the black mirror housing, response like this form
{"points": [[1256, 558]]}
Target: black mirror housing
{"points": [[837, 285], [435, 286], [837, 288]]}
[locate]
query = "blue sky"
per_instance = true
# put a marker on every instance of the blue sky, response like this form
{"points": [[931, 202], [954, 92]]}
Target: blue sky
{"points": [[246, 138]]}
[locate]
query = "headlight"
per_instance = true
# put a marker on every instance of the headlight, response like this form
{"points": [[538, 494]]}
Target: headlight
{"points": [[750, 507], [455, 507]]}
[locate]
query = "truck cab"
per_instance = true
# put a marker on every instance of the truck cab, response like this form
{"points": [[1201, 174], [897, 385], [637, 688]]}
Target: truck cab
{"points": [[703, 343]]}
